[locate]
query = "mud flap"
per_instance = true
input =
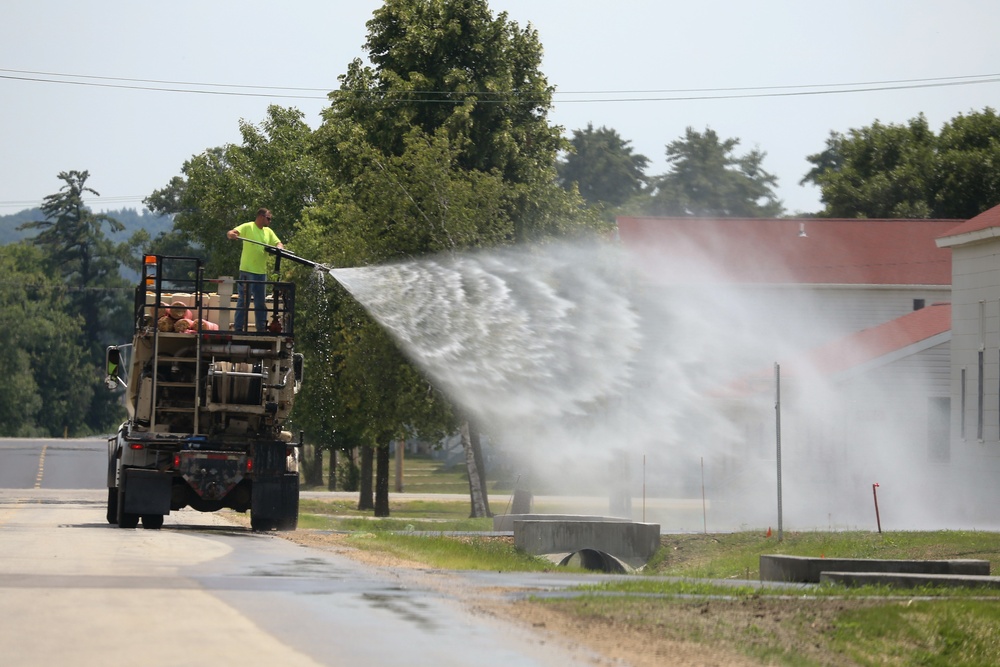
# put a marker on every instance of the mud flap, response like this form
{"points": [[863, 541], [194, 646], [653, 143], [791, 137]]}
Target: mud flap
{"points": [[275, 498], [146, 491]]}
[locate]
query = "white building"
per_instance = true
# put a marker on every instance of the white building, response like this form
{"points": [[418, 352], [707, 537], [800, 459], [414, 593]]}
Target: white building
{"points": [[856, 315], [975, 361]]}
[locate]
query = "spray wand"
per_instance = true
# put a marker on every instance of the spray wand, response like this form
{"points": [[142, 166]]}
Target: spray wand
{"points": [[281, 252], [275, 325]]}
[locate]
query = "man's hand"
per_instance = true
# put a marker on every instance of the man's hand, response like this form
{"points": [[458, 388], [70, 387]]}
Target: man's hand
{"points": [[232, 234]]}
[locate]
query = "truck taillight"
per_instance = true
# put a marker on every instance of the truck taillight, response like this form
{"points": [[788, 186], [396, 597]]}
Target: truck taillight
{"points": [[135, 445], [249, 465], [177, 461], [150, 261]]}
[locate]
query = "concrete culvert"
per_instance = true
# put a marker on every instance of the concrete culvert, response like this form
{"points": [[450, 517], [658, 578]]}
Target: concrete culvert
{"points": [[592, 559]]}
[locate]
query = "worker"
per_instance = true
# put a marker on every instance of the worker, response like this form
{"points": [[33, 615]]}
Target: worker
{"points": [[253, 268]]}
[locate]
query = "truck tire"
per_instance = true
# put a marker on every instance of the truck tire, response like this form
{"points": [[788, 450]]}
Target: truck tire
{"points": [[113, 506], [153, 521], [261, 524], [290, 516], [125, 520]]}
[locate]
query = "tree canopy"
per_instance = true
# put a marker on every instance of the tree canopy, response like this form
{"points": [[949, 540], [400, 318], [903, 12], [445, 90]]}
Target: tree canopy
{"points": [[906, 171], [453, 65], [603, 167], [707, 179], [62, 301]]}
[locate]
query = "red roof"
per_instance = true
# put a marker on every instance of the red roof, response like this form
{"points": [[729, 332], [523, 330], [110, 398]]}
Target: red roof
{"points": [[985, 220], [791, 250], [860, 348], [875, 342]]}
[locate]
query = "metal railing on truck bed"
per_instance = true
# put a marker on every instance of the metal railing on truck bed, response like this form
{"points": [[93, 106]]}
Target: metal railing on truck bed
{"points": [[173, 289]]}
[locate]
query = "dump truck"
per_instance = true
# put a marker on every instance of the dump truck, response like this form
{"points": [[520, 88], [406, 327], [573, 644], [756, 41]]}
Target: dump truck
{"points": [[206, 405]]}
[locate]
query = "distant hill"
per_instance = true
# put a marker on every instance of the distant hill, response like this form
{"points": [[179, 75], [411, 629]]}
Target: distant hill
{"points": [[130, 217]]}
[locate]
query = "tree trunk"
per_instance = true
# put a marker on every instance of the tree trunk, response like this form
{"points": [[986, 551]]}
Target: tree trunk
{"points": [[365, 501], [316, 472], [475, 486], [400, 452], [331, 482], [475, 438], [382, 480], [309, 455]]}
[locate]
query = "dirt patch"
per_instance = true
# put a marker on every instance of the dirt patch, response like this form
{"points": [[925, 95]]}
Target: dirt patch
{"points": [[618, 640]]}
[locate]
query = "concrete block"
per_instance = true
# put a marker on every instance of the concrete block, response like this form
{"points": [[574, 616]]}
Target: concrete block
{"points": [[632, 543], [804, 569], [909, 580]]}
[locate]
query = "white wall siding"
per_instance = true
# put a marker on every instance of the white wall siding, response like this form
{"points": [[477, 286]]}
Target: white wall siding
{"points": [[975, 327]]}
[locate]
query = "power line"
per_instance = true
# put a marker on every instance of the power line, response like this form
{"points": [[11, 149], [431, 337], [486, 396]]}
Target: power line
{"points": [[158, 81], [494, 97], [90, 201]]}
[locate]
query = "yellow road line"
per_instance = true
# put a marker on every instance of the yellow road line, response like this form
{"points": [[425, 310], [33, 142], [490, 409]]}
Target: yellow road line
{"points": [[41, 468]]}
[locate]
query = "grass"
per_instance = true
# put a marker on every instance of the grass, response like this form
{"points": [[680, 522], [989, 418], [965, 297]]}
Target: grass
{"points": [[737, 555], [923, 633], [452, 553], [410, 515], [827, 625]]}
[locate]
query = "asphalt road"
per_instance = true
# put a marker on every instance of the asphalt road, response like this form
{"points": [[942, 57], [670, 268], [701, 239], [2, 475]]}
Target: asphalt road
{"points": [[75, 590], [53, 464]]}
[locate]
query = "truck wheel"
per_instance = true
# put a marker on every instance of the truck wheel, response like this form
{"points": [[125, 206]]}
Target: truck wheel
{"points": [[113, 506], [125, 520], [153, 521], [290, 518], [288, 523], [262, 524]]}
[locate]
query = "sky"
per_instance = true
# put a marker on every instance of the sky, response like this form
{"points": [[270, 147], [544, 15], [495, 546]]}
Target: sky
{"points": [[130, 90]]}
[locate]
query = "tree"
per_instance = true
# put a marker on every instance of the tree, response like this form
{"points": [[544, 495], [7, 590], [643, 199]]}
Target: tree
{"points": [[49, 381], [880, 171], [452, 68], [603, 167], [75, 248], [707, 179], [442, 144], [453, 65], [968, 150], [905, 171]]}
